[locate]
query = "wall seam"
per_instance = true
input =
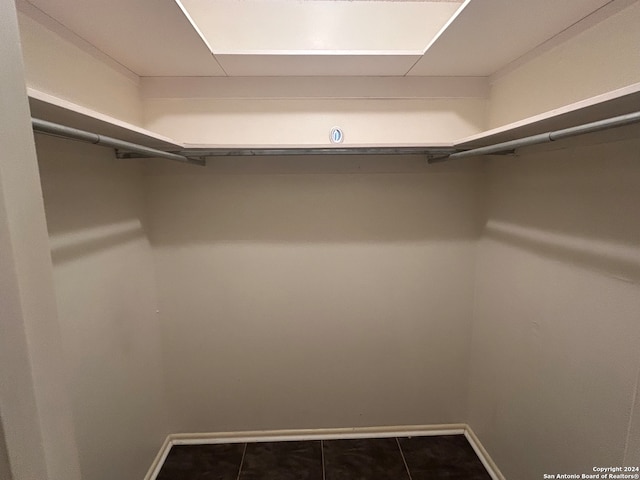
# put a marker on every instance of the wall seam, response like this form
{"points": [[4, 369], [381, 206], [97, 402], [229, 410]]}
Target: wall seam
{"points": [[481, 213], [145, 179]]}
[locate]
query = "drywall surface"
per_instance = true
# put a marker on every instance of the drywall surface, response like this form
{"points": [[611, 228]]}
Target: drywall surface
{"points": [[555, 358], [602, 58], [5, 468], [105, 289], [34, 406], [314, 295], [259, 121], [59, 67]]}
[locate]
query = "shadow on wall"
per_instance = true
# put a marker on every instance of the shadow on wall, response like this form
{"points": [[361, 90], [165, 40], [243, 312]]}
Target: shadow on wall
{"points": [[106, 298], [83, 244], [619, 261], [90, 200], [576, 205], [341, 201], [554, 357]]}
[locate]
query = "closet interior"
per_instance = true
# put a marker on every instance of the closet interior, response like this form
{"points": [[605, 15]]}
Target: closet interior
{"points": [[187, 259]]}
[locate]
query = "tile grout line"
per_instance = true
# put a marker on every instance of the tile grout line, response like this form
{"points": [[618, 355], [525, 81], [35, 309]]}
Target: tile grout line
{"points": [[322, 454], [404, 460], [242, 461]]}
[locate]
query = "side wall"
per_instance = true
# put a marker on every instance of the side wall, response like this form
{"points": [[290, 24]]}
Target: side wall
{"points": [[304, 293], [61, 64], [597, 60], [5, 468], [34, 403], [555, 357], [105, 288]]}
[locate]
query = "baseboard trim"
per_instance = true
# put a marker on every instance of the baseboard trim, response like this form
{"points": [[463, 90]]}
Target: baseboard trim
{"points": [[324, 434], [315, 434], [483, 455], [157, 463]]}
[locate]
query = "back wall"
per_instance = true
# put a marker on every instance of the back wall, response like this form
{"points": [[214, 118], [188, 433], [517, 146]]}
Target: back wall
{"points": [[316, 295]]}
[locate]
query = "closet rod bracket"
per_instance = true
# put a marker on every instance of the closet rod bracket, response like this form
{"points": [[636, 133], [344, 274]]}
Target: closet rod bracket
{"points": [[57, 130], [124, 155]]}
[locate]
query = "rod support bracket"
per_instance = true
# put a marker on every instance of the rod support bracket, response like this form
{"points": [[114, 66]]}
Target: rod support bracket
{"points": [[436, 158], [506, 152], [121, 154]]}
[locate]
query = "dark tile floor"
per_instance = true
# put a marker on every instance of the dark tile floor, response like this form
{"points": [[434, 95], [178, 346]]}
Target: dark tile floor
{"points": [[409, 458]]}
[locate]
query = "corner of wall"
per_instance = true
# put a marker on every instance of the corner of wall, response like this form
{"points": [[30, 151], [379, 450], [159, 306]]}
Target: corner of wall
{"points": [[481, 215], [36, 408], [60, 63], [632, 447], [561, 71]]}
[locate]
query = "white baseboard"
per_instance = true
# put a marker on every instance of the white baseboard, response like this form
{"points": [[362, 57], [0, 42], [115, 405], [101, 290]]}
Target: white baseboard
{"points": [[316, 434], [324, 434], [157, 463], [483, 455]]}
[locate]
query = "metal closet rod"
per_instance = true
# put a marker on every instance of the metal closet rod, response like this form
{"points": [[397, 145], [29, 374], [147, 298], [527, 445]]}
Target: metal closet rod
{"points": [[286, 151], [50, 128], [434, 154], [605, 124]]}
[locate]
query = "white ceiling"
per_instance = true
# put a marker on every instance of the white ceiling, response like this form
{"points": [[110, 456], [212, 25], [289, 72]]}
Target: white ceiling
{"points": [[149, 37], [489, 34], [255, 37]]}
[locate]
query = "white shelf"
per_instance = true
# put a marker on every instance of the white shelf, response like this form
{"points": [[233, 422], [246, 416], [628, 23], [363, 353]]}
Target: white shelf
{"points": [[610, 104], [53, 109], [616, 102]]}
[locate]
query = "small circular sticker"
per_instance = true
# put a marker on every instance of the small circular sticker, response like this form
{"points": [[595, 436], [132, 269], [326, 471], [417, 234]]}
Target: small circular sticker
{"points": [[336, 135]]}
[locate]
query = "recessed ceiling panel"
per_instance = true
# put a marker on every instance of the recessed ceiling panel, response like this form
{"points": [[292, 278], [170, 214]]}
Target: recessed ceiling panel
{"points": [[258, 26], [489, 34], [319, 37]]}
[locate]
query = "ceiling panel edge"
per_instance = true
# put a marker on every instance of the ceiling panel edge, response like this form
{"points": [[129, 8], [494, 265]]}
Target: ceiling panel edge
{"points": [[489, 34], [453, 18], [317, 65]]}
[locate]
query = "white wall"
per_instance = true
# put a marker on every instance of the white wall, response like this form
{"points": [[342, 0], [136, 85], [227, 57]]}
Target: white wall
{"points": [[599, 59], [61, 64], [105, 289], [256, 121], [34, 405], [294, 111], [555, 357], [315, 295], [5, 468]]}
